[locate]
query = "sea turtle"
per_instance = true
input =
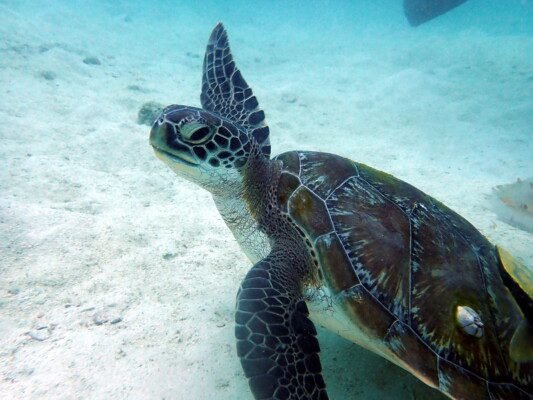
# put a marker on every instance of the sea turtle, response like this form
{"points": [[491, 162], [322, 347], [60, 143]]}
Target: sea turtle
{"points": [[343, 245]]}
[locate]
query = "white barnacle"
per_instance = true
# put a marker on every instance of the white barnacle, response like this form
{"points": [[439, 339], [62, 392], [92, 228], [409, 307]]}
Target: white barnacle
{"points": [[469, 321]]}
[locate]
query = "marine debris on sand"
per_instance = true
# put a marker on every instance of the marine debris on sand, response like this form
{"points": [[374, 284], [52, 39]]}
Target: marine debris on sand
{"points": [[513, 203]]}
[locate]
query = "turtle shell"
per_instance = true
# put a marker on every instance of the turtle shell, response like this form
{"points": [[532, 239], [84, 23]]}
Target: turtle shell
{"points": [[410, 273]]}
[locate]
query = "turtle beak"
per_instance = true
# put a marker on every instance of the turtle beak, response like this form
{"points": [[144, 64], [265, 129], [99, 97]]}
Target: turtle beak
{"points": [[168, 147]]}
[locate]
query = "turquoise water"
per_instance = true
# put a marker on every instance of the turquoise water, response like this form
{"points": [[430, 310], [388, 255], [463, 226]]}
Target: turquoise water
{"points": [[118, 279]]}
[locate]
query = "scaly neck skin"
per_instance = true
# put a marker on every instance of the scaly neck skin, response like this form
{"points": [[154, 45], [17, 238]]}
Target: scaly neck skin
{"points": [[243, 205]]}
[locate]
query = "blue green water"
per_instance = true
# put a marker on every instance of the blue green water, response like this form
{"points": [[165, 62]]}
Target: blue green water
{"points": [[92, 226]]}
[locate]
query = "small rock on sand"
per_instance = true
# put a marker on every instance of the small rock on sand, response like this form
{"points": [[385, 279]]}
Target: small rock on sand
{"points": [[39, 335], [90, 60], [148, 113]]}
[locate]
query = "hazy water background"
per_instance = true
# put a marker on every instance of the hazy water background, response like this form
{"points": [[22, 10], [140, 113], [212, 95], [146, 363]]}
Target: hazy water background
{"points": [[93, 229]]}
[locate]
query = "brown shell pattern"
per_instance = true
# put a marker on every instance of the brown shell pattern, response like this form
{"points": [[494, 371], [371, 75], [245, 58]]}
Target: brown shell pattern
{"points": [[403, 262]]}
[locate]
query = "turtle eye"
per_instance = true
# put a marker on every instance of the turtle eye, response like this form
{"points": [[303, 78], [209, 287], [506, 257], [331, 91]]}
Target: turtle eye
{"points": [[195, 132]]}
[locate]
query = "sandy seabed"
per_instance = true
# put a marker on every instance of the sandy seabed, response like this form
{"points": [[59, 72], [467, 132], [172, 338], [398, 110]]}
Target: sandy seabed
{"points": [[118, 279]]}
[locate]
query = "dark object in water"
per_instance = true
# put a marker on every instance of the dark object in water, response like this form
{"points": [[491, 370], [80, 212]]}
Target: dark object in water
{"points": [[420, 11], [148, 113]]}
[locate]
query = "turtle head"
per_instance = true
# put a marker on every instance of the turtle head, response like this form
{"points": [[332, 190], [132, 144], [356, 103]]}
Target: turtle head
{"points": [[202, 147]]}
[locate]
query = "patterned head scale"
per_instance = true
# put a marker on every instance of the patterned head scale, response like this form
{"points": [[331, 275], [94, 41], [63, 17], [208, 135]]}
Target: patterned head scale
{"points": [[211, 146]]}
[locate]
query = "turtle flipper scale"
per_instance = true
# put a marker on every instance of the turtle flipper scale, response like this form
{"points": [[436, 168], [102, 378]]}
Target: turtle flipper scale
{"points": [[276, 341], [226, 93]]}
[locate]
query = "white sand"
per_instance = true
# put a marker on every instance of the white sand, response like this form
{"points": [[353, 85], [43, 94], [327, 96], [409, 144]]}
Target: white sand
{"points": [[117, 279]]}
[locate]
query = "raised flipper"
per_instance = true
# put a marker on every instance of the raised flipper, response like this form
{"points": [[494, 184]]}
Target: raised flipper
{"points": [[420, 11], [276, 341], [225, 92]]}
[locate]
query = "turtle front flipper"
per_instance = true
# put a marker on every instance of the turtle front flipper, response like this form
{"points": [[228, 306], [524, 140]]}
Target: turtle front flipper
{"points": [[276, 340], [226, 93]]}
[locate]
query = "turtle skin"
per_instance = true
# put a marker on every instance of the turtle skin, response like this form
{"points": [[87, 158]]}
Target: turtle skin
{"points": [[398, 271], [400, 263]]}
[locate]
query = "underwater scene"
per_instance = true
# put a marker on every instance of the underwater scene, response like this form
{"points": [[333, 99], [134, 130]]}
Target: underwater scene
{"points": [[129, 228]]}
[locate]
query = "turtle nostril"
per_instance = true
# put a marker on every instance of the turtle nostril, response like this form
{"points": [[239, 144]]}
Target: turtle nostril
{"points": [[162, 135], [157, 134], [170, 131]]}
